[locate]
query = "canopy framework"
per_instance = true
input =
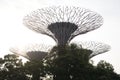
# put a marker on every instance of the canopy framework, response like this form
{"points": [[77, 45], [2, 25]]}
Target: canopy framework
{"points": [[32, 52], [58, 22], [37, 52], [96, 47]]}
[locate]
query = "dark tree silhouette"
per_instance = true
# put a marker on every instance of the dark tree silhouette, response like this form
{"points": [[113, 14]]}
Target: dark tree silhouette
{"points": [[35, 69], [63, 23], [73, 63], [11, 68], [68, 62]]}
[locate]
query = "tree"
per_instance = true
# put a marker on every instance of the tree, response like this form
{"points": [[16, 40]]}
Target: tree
{"points": [[68, 62], [12, 68], [35, 69], [105, 71], [73, 63]]}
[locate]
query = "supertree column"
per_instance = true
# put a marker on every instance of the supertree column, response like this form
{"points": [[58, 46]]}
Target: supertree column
{"points": [[63, 23], [32, 52], [96, 47]]}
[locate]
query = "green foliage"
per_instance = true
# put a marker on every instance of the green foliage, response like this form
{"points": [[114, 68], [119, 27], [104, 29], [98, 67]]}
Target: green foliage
{"points": [[11, 68], [69, 62], [105, 66], [73, 63], [35, 68], [66, 62], [105, 71]]}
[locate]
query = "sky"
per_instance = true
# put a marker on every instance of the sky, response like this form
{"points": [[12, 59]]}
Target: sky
{"points": [[14, 33]]}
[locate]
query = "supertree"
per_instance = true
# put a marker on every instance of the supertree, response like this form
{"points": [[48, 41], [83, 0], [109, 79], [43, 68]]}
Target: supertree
{"points": [[96, 47], [63, 23], [32, 51], [38, 52]]}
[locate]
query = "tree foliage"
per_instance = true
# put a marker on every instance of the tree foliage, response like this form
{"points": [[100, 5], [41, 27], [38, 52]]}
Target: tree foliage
{"points": [[73, 63], [66, 62], [70, 62], [35, 69], [11, 68]]}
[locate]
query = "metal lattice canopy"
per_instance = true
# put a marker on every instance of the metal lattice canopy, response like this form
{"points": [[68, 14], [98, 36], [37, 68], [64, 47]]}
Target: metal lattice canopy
{"points": [[39, 52], [32, 52], [63, 23], [96, 47]]}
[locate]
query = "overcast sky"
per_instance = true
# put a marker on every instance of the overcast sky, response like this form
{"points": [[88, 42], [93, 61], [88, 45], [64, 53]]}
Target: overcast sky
{"points": [[14, 33]]}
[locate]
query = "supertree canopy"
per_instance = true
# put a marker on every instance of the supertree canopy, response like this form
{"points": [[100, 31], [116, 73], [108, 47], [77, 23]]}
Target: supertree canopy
{"points": [[32, 52], [63, 23], [38, 52], [96, 47]]}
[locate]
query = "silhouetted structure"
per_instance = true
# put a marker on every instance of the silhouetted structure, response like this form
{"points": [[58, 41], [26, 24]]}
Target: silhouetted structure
{"points": [[38, 52], [32, 52], [63, 23], [96, 47]]}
